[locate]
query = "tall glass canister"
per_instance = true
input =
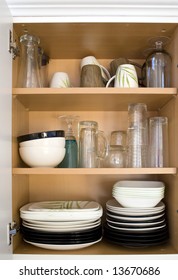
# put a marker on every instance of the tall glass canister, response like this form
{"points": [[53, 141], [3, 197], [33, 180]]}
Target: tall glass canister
{"points": [[158, 66], [29, 75]]}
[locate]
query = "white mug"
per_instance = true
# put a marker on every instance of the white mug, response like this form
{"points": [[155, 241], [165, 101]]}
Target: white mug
{"points": [[60, 80], [92, 60], [126, 77]]}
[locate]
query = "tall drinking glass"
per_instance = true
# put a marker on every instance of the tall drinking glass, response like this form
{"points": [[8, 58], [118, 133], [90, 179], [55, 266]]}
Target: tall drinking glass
{"points": [[137, 135], [158, 142]]}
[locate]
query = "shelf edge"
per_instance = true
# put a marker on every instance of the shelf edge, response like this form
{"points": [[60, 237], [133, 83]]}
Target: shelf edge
{"points": [[93, 171]]}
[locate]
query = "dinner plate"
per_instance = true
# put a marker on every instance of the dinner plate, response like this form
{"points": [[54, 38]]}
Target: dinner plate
{"points": [[147, 234], [69, 205], [137, 229], [132, 224], [61, 223], [63, 247], [76, 234], [63, 229], [134, 244], [59, 215], [119, 217], [57, 241], [136, 238]]}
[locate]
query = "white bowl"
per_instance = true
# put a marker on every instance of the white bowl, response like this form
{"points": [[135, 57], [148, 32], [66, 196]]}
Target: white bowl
{"points": [[44, 142], [42, 156], [136, 202]]}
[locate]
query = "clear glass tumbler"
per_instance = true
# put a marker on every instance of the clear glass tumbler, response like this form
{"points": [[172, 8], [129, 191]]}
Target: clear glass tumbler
{"points": [[158, 142], [92, 144], [29, 74], [137, 135], [118, 137]]}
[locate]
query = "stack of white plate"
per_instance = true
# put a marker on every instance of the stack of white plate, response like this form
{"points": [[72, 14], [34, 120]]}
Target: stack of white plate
{"points": [[136, 216], [138, 193], [62, 225]]}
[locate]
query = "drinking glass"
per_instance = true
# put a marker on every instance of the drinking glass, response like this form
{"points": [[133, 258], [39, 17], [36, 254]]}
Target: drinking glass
{"points": [[158, 142], [137, 135], [92, 144], [118, 137]]}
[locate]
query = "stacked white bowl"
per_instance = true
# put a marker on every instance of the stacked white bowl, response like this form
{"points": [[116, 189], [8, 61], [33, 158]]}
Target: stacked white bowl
{"points": [[138, 194], [42, 149], [136, 216]]}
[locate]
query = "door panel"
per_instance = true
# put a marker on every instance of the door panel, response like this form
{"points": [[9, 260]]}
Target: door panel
{"points": [[5, 130]]}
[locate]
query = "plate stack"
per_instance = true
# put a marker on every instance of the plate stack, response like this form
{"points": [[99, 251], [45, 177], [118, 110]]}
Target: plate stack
{"points": [[62, 225], [138, 221]]}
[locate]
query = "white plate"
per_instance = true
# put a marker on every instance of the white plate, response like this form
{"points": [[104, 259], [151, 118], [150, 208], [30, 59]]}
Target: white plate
{"points": [[136, 219], [61, 224], [64, 206], [59, 229], [59, 215], [137, 229], [135, 224], [63, 247]]}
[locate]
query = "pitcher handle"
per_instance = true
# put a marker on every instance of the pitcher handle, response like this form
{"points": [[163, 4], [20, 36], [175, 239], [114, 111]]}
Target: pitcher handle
{"points": [[102, 152]]}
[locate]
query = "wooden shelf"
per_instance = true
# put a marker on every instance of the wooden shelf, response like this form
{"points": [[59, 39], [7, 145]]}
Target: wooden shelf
{"points": [[93, 171], [92, 99], [101, 248]]}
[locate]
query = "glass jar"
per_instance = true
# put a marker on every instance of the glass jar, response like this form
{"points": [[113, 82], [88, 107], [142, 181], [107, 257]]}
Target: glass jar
{"points": [[29, 75], [158, 67]]}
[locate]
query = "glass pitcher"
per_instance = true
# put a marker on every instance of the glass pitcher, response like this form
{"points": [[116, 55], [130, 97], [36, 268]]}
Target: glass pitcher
{"points": [[29, 75], [92, 144], [158, 67]]}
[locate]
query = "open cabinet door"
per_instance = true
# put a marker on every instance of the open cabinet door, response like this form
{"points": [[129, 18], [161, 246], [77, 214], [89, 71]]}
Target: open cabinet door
{"points": [[5, 130]]}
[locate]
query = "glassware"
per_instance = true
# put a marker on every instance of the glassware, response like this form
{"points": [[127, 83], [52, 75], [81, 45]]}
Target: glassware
{"points": [[118, 137], [92, 144], [158, 142], [137, 135], [71, 157], [158, 66], [116, 156], [29, 76], [43, 61]]}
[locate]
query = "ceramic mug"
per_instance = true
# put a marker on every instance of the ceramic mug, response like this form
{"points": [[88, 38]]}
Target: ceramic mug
{"points": [[126, 77], [92, 60], [91, 76], [60, 80]]}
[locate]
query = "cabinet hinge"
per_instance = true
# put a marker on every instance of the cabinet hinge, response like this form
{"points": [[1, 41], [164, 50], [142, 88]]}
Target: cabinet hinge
{"points": [[13, 48], [13, 228]]}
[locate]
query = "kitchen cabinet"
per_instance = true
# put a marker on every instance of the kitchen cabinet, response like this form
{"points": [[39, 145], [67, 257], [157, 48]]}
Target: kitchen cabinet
{"points": [[38, 109]]}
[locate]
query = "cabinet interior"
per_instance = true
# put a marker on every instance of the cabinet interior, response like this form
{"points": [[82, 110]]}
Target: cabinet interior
{"points": [[38, 110]]}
